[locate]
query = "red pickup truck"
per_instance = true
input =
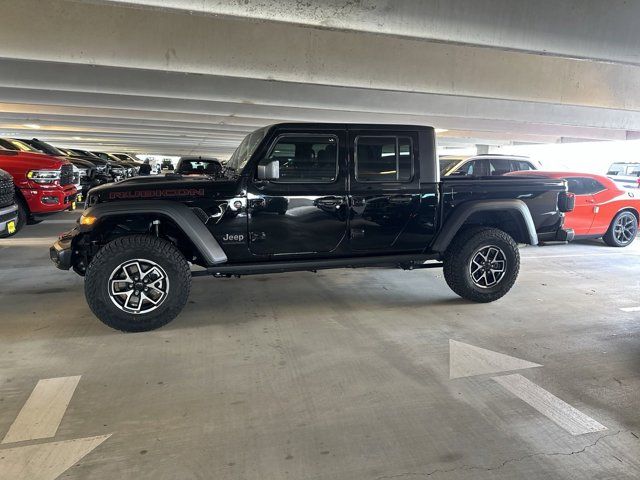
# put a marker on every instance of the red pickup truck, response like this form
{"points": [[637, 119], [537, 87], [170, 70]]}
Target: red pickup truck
{"points": [[44, 184]]}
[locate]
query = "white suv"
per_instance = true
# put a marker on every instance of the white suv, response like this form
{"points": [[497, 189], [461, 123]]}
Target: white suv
{"points": [[625, 174], [485, 165]]}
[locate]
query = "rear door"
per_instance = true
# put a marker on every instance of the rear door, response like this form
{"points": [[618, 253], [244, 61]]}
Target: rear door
{"points": [[384, 189]]}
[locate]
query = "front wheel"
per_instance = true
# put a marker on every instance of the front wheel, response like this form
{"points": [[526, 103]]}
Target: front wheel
{"points": [[137, 283], [481, 264], [622, 231]]}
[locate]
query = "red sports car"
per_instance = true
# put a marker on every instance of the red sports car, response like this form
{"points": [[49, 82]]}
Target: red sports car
{"points": [[602, 208]]}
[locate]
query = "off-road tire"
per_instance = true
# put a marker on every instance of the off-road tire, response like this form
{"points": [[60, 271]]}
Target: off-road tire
{"points": [[457, 260], [23, 214], [610, 238], [113, 254]]}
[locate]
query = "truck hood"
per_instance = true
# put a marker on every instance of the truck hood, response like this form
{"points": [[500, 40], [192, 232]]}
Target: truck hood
{"points": [[170, 187], [33, 161]]}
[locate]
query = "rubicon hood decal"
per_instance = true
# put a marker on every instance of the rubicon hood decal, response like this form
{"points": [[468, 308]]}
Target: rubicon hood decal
{"points": [[163, 193]]}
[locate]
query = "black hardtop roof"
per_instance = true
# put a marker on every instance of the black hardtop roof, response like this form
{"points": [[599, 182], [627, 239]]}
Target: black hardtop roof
{"points": [[349, 126]]}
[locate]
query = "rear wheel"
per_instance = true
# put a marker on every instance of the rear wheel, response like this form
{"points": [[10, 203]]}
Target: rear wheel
{"points": [[481, 264], [137, 283], [622, 231]]}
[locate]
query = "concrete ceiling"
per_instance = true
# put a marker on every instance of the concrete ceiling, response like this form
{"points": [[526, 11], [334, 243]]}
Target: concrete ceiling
{"points": [[194, 76]]}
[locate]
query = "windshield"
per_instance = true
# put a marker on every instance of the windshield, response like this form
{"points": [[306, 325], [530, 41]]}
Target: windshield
{"points": [[13, 144], [630, 169], [446, 165], [244, 151], [199, 166]]}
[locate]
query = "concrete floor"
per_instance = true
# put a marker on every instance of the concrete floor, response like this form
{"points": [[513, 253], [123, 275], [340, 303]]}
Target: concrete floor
{"points": [[338, 375]]}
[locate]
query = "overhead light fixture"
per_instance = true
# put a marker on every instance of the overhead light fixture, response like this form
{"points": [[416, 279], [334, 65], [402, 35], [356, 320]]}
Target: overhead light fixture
{"points": [[441, 130], [34, 126], [77, 138]]}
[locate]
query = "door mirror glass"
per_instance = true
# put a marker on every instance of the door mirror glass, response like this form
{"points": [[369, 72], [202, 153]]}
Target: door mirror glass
{"points": [[269, 171]]}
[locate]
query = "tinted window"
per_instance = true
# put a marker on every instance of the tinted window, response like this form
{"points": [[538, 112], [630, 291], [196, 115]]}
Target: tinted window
{"points": [[384, 159], [305, 158], [499, 166], [520, 165], [584, 186], [470, 168]]}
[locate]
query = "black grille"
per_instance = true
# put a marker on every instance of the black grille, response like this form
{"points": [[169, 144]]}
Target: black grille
{"points": [[66, 175], [6, 191]]}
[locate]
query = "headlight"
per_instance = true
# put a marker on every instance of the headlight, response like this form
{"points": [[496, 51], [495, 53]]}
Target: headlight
{"points": [[44, 176]]}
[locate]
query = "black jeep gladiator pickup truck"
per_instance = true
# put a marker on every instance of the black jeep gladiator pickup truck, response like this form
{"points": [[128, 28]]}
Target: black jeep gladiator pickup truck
{"points": [[305, 197]]}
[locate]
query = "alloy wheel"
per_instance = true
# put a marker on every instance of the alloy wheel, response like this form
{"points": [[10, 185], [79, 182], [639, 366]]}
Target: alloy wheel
{"points": [[138, 286], [624, 229], [487, 266]]}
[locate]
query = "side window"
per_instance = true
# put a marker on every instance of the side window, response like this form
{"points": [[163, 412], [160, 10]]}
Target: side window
{"points": [[584, 186], [470, 168], [305, 158], [591, 185], [575, 186], [384, 159], [499, 167], [519, 166]]}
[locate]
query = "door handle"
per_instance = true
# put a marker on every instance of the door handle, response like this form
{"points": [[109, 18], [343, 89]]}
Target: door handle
{"points": [[400, 200], [330, 201]]}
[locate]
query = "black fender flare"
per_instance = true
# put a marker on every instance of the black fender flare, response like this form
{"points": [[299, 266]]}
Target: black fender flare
{"points": [[461, 213], [190, 224]]}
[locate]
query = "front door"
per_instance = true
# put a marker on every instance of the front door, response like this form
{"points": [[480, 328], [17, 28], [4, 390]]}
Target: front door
{"points": [[304, 210], [384, 190], [581, 218]]}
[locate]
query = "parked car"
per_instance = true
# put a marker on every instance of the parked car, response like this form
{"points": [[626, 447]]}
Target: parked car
{"points": [[113, 169], [127, 158], [44, 184], [8, 206], [387, 208], [167, 165], [88, 170], [131, 168], [602, 209], [625, 174], [488, 165], [199, 166]]}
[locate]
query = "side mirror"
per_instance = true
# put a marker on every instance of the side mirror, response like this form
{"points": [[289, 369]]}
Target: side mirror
{"points": [[270, 171]]}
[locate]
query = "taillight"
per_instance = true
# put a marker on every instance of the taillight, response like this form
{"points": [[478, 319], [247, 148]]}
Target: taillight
{"points": [[44, 176], [566, 201]]}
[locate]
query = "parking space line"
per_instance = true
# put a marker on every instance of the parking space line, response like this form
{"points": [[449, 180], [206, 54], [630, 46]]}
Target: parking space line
{"points": [[46, 461], [571, 419], [71, 220], [630, 309], [42, 413], [617, 254]]}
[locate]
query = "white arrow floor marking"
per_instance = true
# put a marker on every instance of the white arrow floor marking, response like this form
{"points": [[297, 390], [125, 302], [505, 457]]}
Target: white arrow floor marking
{"points": [[45, 461], [467, 361], [571, 419], [41, 415]]}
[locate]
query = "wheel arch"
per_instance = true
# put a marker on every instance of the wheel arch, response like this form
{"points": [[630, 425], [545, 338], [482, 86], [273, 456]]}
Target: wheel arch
{"points": [[511, 216], [176, 221]]}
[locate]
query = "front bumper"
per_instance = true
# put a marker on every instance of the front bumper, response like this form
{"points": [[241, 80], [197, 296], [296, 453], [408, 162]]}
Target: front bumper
{"points": [[49, 200], [7, 215], [61, 251]]}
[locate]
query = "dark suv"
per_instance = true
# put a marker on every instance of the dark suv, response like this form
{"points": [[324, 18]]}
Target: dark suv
{"points": [[305, 197]]}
